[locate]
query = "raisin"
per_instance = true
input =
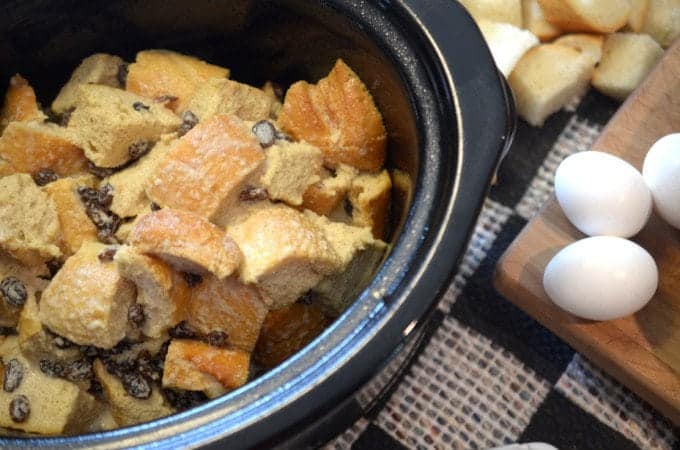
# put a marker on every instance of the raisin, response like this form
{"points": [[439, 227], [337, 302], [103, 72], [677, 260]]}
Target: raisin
{"points": [[139, 106], [53, 265], [182, 331], [140, 148], [119, 369], [79, 370], [253, 194], [99, 217], [136, 385], [122, 74], [189, 120], [96, 389], [217, 338], [192, 279], [89, 350], [88, 195], [154, 206], [306, 298], [101, 172], [107, 255], [14, 373], [107, 237], [281, 136], [265, 132], [19, 408], [8, 331], [146, 367], [13, 291], [65, 117], [44, 176], [105, 195], [181, 399], [347, 205], [165, 98], [51, 368], [136, 314]]}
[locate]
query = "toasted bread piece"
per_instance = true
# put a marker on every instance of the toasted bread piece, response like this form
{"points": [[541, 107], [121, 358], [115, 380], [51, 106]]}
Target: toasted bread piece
{"points": [[588, 44], [76, 227], [638, 14], [290, 168], [212, 163], [196, 366], [507, 43], [99, 68], [287, 330], [534, 21], [20, 103], [158, 73], [504, 11], [228, 305], [108, 121], [547, 78], [87, 300], [337, 115], [269, 89], [29, 278], [663, 21], [284, 252], [125, 409], [223, 96], [627, 58], [32, 146], [129, 184], [325, 195], [56, 406], [370, 199], [601, 16], [186, 241], [154, 281], [29, 224]]}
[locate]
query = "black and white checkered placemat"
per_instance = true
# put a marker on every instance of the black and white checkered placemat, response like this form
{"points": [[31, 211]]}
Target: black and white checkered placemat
{"points": [[487, 374]]}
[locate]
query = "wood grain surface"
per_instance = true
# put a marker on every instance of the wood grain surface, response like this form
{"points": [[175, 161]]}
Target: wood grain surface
{"points": [[643, 350]]}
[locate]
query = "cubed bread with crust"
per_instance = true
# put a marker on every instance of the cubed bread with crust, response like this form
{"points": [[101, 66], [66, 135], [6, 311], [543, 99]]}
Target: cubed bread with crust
{"points": [[507, 43], [228, 305], [290, 169], [324, 196], [125, 409], [370, 199], [627, 58], [99, 68], [56, 406], [504, 11], [187, 241], [601, 16], [108, 121], [76, 226], [197, 366], [638, 14], [29, 224], [662, 21], [588, 44], [20, 103], [29, 278], [212, 163], [284, 253], [161, 73], [547, 78], [87, 300], [338, 115], [32, 146], [287, 330], [534, 21], [223, 96]]}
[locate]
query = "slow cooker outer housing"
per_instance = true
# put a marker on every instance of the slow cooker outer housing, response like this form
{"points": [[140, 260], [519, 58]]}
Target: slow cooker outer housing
{"points": [[449, 117]]}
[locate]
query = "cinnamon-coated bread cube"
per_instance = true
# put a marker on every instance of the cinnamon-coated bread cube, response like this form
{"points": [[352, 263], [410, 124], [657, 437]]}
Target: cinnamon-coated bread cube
{"points": [[28, 280], [87, 301], [337, 115], [223, 96], [20, 103], [370, 196], [290, 169], [324, 196]]}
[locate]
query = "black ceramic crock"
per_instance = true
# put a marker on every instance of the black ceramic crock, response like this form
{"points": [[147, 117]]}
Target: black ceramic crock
{"points": [[449, 117]]}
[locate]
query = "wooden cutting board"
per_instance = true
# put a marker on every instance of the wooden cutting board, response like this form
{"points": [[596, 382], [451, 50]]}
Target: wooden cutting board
{"points": [[643, 350]]}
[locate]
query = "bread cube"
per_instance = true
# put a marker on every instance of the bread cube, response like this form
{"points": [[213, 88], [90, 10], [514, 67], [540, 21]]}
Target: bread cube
{"points": [[213, 162], [287, 330], [29, 224], [196, 366], [99, 68], [337, 115], [601, 16], [76, 226], [662, 21], [504, 11], [284, 252], [56, 406], [325, 195], [270, 89], [638, 14], [228, 305], [534, 21], [28, 276], [588, 44], [20, 103], [158, 73], [186, 241], [125, 409], [223, 96], [627, 58], [370, 199], [291, 168], [547, 78], [108, 122], [87, 301], [507, 43], [31, 146]]}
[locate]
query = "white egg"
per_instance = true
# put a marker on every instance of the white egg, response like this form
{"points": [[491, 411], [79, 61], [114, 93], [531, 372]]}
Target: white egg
{"points": [[602, 194], [661, 171], [601, 278]]}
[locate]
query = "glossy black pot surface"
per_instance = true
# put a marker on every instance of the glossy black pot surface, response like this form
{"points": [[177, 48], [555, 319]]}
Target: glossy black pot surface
{"points": [[449, 118]]}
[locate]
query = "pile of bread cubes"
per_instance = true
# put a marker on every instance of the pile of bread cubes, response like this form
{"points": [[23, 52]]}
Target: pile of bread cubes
{"points": [[166, 233], [553, 50]]}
